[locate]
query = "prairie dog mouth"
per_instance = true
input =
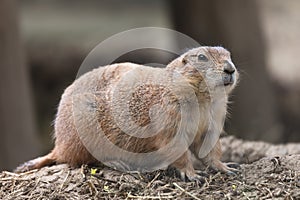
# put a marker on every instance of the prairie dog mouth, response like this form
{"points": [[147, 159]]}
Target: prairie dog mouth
{"points": [[228, 80]]}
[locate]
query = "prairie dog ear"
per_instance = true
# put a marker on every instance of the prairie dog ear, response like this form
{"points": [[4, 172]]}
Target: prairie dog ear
{"points": [[178, 63], [184, 60]]}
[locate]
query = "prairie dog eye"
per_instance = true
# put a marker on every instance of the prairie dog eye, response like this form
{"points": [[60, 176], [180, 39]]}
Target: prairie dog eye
{"points": [[202, 58]]}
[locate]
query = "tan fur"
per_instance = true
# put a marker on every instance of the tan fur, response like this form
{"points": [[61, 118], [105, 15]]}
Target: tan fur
{"points": [[202, 79]]}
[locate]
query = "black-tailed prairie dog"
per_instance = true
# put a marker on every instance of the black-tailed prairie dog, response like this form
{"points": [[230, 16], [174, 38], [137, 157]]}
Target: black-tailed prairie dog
{"points": [[135, 117]]}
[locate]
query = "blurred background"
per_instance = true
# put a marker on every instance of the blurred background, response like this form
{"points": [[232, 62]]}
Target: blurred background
{"points": [[43, 43]]}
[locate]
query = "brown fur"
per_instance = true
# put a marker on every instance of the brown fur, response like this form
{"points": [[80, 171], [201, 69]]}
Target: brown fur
{"points": [[69, 147]]}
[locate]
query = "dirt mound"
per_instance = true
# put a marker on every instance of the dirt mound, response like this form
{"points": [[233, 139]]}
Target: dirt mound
{"points": [[241, 151], [273, 177]]}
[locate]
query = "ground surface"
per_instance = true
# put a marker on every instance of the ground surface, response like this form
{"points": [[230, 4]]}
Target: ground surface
{"points": [[269, 177]]}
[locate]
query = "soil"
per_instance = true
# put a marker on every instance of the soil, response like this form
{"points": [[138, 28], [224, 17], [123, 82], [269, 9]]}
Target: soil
{"points": [[266, 174]]}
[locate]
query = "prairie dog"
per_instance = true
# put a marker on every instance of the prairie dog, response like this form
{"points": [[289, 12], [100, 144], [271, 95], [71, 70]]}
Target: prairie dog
{"points": [[140, 110]]}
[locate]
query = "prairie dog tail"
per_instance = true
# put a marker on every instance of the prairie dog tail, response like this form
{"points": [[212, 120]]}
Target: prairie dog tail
{"points": [[37, 163]]}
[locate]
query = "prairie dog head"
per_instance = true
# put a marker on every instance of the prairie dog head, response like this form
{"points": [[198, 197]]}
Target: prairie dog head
{"points": [[207, 67]]}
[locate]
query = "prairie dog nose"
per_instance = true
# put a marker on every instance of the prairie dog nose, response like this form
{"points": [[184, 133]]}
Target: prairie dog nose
{"points": [[229, 67]]}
